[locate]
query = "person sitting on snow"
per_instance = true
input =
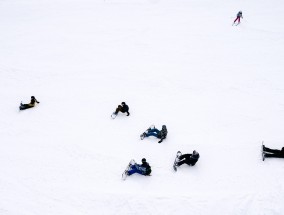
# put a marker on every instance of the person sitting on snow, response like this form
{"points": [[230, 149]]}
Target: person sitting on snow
{"points": [[123, 108], [189, 159], [143, 169], [156, 133], [30, 105], [273, 153]]}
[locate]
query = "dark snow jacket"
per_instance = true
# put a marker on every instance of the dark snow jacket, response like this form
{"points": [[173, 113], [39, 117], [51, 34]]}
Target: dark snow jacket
{"points": [[163, 133], [124, 108], [240, 14], [147, 168], [193, 159], [33, 101]]}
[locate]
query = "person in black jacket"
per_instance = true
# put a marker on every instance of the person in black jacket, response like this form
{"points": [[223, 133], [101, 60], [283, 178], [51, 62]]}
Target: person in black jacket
{"points": [[143, 169], [30, 105], [123, 108], [189, 159], [156, 133], [275, 153]]}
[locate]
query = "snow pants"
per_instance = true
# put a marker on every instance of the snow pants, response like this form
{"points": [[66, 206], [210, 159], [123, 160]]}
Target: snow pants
{"points": [[136, 168], [185, 159], [153, 132], [26, 106], [274, 155], [238, 19], [276, 151]]}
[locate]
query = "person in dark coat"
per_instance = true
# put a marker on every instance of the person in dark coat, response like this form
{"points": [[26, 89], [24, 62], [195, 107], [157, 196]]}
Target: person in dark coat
{"points": [[123, 108], [273, 153], [239, 16], [30, 105], [156, 133], [143, 169], [189, 159]]}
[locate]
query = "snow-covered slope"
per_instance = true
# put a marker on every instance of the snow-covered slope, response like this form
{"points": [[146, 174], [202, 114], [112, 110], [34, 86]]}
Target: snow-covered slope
{"points": [[217, 87]]}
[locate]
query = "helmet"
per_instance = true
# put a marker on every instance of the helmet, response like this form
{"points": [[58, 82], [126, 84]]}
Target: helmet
{"points": [[32, 97], [143, 160], [123, 103], [164, 127], [194, 152]]}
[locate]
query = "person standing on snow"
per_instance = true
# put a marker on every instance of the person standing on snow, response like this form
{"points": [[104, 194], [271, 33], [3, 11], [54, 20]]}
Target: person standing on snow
{"points": [[239, 16]]}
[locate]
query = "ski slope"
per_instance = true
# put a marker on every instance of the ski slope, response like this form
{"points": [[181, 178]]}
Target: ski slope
{"points": [[217, 87]]}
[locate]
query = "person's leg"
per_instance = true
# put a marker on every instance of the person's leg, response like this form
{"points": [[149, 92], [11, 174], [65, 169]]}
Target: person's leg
{"points": [[185, 156], [132, 170], [151, 134], [155, 130], [236, 19], [136, 169], [26, 106], [265, 149], [181, 162], [274, 155], [118, 109], [141, 170], [183, 159]]}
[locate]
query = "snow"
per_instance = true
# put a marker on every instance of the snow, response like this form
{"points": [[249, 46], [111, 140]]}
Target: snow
{"points": [[217, 87]]}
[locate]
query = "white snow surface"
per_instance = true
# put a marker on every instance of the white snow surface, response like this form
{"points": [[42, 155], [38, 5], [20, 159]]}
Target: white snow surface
{"points": [[217, 87]]}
